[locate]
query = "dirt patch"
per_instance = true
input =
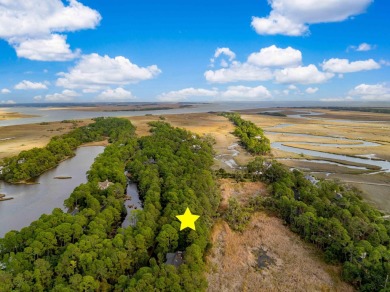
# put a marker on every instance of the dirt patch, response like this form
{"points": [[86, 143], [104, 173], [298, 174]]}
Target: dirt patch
{"points": [[233, 260]]}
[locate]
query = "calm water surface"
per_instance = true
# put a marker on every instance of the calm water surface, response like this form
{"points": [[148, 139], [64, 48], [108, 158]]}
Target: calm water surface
{"points": [[383, 164], [133, 204], [31, 201]]}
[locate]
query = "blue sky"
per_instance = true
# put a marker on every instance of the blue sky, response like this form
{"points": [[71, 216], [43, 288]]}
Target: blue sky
{"points": [[335, 51]]}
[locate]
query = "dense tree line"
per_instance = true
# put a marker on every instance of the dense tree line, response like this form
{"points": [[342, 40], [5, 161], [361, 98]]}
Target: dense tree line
{"points": [[334, 218], [65, 252], [31, 163], [251, 136], [87, 250], [360, 109], [172, 170]]}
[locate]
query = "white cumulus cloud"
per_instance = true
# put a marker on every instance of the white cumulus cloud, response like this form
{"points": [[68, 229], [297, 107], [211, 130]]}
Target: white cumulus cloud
{"points": [[384, 62], [345, 66], [302, 75], [10, 101], [52, 48], [245, 93], [238, 72], [276, 57], [364, 47], [337, 99], [260, 66], [311, 90], [184, 94], [26, 84], [226, 52], [65, 95], [372, 92], [234, 71], [293, 17], [36, 28], [276, 23], [116, 94], [94, 72], [223, 52], [5, 91], [232, 93]]}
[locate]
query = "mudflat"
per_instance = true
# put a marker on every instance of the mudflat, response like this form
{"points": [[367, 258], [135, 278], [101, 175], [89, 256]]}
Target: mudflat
{"points": [[7, 115]]}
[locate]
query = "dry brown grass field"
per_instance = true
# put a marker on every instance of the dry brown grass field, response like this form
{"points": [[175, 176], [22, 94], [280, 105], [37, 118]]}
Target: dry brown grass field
{"points": [[242, 191], [25, 137], [232, 261]]}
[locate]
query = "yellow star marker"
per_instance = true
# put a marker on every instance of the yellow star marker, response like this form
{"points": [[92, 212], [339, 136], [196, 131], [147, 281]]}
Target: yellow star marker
{"points": [[187, 220]]}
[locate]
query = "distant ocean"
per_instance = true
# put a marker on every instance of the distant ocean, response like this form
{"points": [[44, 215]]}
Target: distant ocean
{"points": [[45, 115]]}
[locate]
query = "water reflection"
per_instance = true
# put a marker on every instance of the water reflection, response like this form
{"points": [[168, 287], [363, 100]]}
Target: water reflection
{"points": [[383, 164], [31, 201], [133, 203]]}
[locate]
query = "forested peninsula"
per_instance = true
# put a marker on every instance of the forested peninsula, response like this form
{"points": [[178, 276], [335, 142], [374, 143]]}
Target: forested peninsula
{"points": [[251, 137], [32, 163], [87, 250]]}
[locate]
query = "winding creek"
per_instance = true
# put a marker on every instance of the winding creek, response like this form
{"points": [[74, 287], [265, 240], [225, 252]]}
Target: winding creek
{"points": [[384, 165], [132, 203], [369, 159], [31, 201], [228, 159]]}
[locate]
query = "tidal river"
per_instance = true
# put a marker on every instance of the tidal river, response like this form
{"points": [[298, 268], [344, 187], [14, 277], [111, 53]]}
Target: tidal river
{"points": [[31, 201]]}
